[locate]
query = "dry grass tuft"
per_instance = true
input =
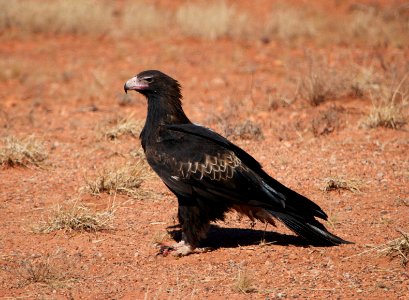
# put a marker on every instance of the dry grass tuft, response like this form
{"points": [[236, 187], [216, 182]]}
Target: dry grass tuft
{"points": [[316, 89], [369, 24], [22, 152], [337, 183], [323, 82], [76, 217], [55, 270], [398, 248], [159, 237], [125, 99], [141, 18], [123, 126], [40, 270], [361, 81], [211, 20], [387, 110], [125, 180], [244, 282], [387, 115], [139, 155], [11, 69], [376, 25], [56, 16], [290, 23], [246, 131], [327, 121]]}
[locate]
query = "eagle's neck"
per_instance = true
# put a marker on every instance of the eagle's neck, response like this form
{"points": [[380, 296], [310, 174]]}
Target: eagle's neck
{"points": [[162, 110]]}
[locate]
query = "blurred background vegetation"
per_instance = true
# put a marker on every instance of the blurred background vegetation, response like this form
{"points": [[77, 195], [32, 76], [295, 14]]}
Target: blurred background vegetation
{"points": [[314, 51], [369, 24]]}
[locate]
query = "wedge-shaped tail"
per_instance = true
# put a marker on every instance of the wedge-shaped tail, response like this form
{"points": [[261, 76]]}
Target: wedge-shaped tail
{"points": [[310, 229]]}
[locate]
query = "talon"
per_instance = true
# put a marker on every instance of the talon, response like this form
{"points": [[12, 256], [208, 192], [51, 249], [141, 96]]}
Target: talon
{"points": [[164, 250], [204, 249]]}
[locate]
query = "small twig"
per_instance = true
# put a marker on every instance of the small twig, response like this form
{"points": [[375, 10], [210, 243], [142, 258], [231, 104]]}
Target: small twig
{"points": [[370, 250]]}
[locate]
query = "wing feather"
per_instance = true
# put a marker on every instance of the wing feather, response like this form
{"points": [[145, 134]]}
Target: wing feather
{"points": [[209, 167], [292, 198]]}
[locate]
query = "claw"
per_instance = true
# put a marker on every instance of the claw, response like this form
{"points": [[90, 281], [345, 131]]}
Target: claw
{"points": [[164, 250], [180, 249]]}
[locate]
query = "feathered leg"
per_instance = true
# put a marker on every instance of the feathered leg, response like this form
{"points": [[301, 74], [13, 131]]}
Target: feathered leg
{"points": [[195, 226]]}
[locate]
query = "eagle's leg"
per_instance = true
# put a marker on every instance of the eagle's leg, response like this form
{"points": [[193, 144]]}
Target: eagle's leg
{"points": [[195, 225], [194, 228]]}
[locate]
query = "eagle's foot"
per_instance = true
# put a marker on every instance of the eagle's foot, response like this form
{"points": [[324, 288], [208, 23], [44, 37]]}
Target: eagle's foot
{"points": [[180, 249]]}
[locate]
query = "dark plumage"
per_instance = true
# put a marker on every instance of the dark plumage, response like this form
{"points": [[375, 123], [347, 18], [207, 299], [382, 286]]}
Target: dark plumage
{"points": [[210, 175]]}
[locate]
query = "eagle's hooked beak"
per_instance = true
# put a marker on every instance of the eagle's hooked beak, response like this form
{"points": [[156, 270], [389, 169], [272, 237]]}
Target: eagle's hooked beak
{"points": [[134, 84]]}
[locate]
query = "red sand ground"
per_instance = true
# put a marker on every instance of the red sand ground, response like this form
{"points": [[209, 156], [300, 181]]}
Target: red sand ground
{"points": [[67, 76]]}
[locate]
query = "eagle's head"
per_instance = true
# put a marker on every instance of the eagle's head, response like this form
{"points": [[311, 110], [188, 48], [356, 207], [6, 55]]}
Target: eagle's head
{"points": [[153, 83]]}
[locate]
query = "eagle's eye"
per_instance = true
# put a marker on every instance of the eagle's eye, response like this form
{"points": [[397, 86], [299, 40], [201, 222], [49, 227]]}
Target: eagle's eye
{"points": [[148, 79]]}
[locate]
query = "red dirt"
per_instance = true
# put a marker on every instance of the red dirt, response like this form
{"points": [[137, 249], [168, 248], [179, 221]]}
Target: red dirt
{"points": [[63, 77]]}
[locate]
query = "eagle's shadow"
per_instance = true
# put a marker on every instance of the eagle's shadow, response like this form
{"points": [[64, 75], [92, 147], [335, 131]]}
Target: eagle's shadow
{"points": [[222, 237]]}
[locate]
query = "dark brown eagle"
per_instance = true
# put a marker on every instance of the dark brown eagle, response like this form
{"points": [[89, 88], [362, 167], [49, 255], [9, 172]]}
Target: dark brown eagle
{"points": [[210, 175]]}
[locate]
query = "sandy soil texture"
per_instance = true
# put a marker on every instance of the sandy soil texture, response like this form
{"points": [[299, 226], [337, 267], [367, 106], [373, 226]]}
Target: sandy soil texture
{"points": [[66, 91]]}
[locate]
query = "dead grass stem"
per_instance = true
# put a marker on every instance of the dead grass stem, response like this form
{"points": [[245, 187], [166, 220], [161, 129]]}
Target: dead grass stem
{"points": [[22, 152], [244, 282], [398, 248], [337, 183]]}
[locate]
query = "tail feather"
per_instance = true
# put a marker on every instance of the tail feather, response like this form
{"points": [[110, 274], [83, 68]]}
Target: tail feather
{"points": [[310, 229], [294, 201]]}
